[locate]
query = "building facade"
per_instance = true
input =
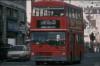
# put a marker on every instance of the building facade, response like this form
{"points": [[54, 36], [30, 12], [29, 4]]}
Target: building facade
{"points": [[92, 14], [12, 21]]}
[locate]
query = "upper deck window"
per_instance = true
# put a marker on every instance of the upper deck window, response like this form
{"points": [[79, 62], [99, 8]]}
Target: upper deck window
{"points": [[48, 11]]}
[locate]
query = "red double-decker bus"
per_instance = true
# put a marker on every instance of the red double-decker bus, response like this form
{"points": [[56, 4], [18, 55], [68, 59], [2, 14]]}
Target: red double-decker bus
{"points": [[56, 32]]}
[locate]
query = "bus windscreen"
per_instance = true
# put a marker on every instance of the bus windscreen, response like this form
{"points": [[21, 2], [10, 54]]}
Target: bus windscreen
{"points": [[51, 38]]}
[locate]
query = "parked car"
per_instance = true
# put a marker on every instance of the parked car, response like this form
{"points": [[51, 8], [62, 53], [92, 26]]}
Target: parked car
{"points": [[19, 52]]}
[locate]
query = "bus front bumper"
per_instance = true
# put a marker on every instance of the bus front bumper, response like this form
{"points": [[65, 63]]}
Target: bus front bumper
{"points": [[49, 58]]}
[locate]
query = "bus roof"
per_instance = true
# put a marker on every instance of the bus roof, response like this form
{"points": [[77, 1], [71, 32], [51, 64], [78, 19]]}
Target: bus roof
{"points": [[52, 4]]}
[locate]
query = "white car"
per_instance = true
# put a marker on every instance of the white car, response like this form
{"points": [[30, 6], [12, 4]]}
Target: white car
{"points": [[19, 52]]}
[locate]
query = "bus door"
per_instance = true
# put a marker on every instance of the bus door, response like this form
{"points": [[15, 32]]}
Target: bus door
{"points": [[72, 46]]}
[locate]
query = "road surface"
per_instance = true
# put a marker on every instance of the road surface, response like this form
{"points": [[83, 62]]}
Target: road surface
{"points": [[90, 59]]}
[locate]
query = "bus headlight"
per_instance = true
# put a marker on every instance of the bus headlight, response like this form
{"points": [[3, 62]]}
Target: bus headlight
{"points": [[33, 53], [63, 53]]}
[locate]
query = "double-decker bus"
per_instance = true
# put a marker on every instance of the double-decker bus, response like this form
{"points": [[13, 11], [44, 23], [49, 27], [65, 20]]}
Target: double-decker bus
{"points": [[56, 32]]}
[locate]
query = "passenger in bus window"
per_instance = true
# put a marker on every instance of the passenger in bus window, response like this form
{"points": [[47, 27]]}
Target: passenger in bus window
{"points": [[62, 14]]}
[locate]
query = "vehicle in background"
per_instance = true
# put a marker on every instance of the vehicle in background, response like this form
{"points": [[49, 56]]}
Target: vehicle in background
{"points": [[19, 52], [56, 32]]}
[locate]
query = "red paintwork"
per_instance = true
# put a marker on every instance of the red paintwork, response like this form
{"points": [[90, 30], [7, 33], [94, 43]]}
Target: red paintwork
{"points": [[64, 26], [52, 50], [48, 3], [52, 4], [63, 21]]}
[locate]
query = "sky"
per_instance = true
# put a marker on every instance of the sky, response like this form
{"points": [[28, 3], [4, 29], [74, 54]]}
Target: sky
{"points": [[28, 9]]}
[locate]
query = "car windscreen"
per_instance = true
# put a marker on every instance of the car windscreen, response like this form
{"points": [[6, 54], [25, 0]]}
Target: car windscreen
{"points": [[16, 48]]}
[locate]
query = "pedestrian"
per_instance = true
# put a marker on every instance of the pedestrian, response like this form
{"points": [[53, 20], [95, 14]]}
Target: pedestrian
{"points": [[97, 42], [92, 39]]}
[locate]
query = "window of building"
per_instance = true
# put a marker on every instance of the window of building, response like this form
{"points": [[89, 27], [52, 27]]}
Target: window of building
{"points": [[1, 22], [15, 13], [12, 12], [12, 25], [99, 11], [0, 10], [9, 12], [87, 10], [22, 16]]}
